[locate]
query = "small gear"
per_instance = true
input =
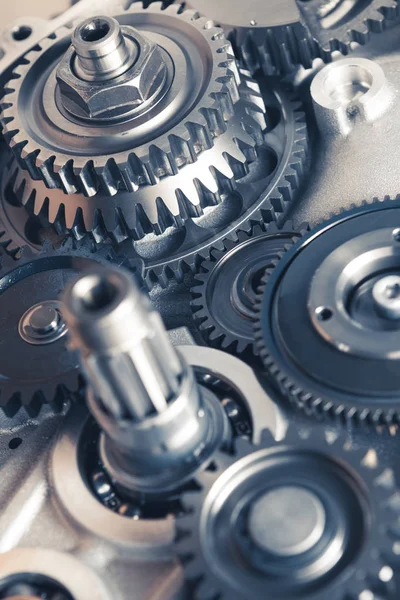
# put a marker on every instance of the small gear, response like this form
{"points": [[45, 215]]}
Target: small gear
{"points": [[304, 517], [35, 365], [277, 50], [279, 35], [206, 130], [336, 24], [328, 319], [262, 197], [266, 34], [154, 208], [225, 290]]}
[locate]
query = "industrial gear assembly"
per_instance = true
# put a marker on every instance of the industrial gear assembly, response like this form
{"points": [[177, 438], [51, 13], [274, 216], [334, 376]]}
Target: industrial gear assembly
{"points": [[200, 301]]}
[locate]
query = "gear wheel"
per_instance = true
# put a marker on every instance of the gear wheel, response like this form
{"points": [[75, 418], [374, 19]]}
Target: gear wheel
{"points": [[332, 346], [265, 34], [206, 130], [153, 209], [18, 227], [262, 197], [277, 50], [35, 365], [299, 518], [278, 35], [224, 292], [335, 26]]}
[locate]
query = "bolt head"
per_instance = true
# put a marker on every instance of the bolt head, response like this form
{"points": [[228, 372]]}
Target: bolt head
{"points": [[117, 96]]}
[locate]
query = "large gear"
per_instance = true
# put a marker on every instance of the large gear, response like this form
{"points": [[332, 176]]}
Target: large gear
{"points": [[205, 133], [262, 197], [332, 346], [304, 517], [335, 25], [169, 202], [225, 289], [35, 365]]}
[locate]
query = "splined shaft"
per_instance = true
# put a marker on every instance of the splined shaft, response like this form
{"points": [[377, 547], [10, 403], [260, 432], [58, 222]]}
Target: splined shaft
{"points": [[125, 349], [156, 418]]}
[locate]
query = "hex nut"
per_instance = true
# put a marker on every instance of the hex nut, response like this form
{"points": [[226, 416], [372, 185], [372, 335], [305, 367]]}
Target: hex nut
{"points": [[117, 96]]}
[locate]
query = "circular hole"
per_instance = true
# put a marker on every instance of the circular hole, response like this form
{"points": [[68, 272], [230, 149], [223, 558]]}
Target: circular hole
{"points": [[323, 313], [21, 33], [95, 30], [95, 292], [14, 443], [346, 83]]}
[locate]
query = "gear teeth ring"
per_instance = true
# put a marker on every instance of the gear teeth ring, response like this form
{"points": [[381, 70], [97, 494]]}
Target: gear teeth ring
{"points": [[228, 472], [371, 410], [271, 206], [149, 165], [25, 389], [373, 17], [136, 214], [232, 329]]}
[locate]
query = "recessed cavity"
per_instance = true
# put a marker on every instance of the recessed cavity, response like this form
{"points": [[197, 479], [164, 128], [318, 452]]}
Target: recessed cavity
{"points": [[21, 33], [323, 313], [346, 83], [14, 443], [95, 30], [95, 292]]}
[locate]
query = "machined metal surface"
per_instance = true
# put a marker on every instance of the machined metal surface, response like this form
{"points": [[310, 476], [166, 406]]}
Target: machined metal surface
{"points": [[349, 347], [159, 426], [230, 551], [115, 547], [192, 143]]}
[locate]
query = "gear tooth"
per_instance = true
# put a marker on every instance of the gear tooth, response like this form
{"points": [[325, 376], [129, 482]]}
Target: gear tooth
{"points": [[200, 137], [110, 177], [159, 164], [63, 178], [214, 117], [164, 219], [88, 179], [189, 202], [180, 150]]}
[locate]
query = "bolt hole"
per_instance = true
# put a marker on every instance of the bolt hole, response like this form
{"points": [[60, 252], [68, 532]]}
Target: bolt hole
{"points": [[21, 33], [14, 443], [95, 292], [323, 313], [95, 30]]}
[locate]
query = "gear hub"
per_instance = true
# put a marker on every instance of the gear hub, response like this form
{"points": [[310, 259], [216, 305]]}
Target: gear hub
{"points": [[302, 517], [333, 347]]}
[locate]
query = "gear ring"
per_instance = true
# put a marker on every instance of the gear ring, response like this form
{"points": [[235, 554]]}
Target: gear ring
{"points": [[155, 208], [38, 372], [318, 553], [18, 227], [224, 292], [334, 27], [263, 196], [206, 117], [352, 384]]}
